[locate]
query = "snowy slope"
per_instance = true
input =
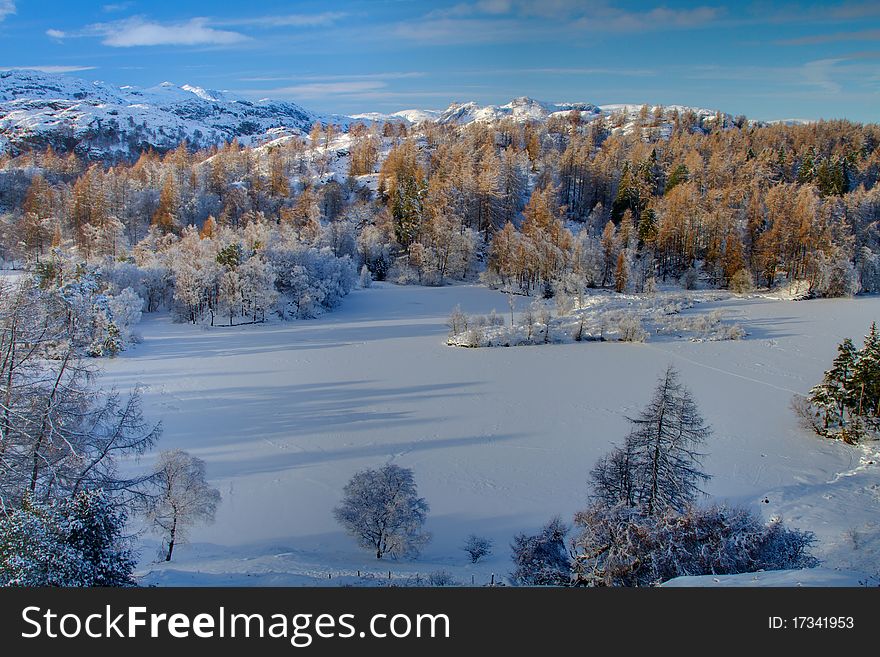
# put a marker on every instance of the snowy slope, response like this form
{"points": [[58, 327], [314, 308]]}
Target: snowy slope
{"points": [[99, 120], [519, 109], [37, 109], [500, 440], [410, 116], [810, 577]]}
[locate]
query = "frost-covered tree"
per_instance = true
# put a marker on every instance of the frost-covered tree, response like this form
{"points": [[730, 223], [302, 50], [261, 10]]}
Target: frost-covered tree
{"points": [[457, 322], [846, 404], [659, 465], [183, 498], [477, 547], [382, 510], [542, 559], [835, 396], [611, 479], [257, 286], [866, 377], [76, 541], [58, 434], [366, 279]]}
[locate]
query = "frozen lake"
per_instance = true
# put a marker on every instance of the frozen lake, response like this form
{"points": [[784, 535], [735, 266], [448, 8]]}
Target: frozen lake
{"points": [[499, 439]]}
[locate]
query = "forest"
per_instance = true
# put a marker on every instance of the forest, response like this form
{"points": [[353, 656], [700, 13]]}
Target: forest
{"points": [[231, 233]]}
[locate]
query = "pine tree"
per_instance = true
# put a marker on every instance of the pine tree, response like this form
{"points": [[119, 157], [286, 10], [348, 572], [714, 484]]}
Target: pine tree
{"points": [[834, 396], [866, 377]]}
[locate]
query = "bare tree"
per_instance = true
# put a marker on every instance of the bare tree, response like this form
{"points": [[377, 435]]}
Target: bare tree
{"points": [[382, 510], [58, 436], [477, 547], [184, 497], [659, 466]]}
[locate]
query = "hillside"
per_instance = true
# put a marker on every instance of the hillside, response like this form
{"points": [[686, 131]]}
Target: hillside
{"points": [[100, 121]]}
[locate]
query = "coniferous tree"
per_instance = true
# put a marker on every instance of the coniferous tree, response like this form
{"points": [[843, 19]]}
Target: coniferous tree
{"points": [[658, 468], [866, 377]]}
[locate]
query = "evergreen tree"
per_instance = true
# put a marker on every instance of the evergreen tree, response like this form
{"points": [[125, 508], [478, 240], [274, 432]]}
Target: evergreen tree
{"points": [[73, 542], [866, 377], [834, 396]]}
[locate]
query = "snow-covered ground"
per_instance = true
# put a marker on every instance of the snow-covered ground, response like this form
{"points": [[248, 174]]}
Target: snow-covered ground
{"points": [[500, 440]]}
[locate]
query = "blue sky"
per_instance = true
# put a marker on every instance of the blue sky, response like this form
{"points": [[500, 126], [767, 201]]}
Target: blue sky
{"points": [[768, 60]]}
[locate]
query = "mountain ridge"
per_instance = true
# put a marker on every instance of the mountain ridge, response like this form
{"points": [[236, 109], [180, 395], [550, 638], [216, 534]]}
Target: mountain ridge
{"points": [[96, 119]]}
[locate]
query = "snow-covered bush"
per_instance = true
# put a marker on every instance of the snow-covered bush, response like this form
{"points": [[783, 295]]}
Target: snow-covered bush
{"points": [[623, 546], [700, 326], [441, 578], [742, 282], [542, 559], [629, 328], [689, 279]]}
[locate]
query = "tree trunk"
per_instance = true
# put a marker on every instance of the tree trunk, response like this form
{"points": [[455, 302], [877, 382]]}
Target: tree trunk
{"points": [[171, 540]]}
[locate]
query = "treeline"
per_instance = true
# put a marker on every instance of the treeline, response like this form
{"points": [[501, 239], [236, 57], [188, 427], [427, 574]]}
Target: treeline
{"points": [[568, 202]]}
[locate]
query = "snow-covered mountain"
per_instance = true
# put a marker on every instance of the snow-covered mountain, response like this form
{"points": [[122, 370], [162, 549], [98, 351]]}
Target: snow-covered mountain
{"points": [[104, 121], [617, 117], [520, 109], [38, 109]]}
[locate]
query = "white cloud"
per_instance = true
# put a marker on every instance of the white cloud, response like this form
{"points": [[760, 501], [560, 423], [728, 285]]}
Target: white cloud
{"points": [[392, 75], [49, 69], [288, 20], [493, 21], [141, 32], [115, 7], [323, 89], [821, 74], [6, 7]]}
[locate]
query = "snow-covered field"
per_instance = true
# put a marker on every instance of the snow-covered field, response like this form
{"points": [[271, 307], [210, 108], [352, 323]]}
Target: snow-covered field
{"points": [[500, 440]]}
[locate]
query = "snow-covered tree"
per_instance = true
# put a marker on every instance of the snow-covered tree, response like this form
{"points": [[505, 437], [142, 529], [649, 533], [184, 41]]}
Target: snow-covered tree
{"points": [[742, 282], [58, 434], [846, 404], [382, 510], [257, 286], [366, 279], [76, 541], [183, 498], [659, 465], [477, 547]]}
